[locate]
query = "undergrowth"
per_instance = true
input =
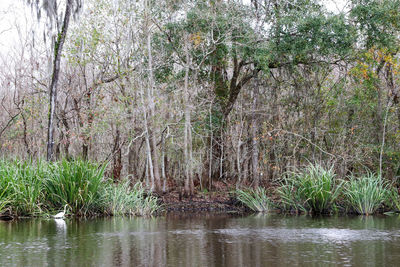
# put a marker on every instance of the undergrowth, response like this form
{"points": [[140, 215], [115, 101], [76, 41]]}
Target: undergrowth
{"points": [[255, 199], [312, 189], [43, 188], [366, 194]]}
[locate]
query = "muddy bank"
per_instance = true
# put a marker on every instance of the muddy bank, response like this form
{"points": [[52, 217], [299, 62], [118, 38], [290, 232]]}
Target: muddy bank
{"points": [[202, 202]]}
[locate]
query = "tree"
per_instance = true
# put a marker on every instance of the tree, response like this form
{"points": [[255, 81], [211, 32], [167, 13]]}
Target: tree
{"points": [[51, 8], [231, 51]]}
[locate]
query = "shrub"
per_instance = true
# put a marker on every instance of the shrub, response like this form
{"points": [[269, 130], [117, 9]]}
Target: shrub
{"points": [[312, 189], [366, 194], [255, 199]]}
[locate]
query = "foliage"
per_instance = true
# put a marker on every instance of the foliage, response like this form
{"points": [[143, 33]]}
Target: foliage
{"points": [[316, 85], [393, 201], [366, 194], [75, 183], [124, 199], [40, 189], [3, 201], [290, 197], [378, 22], [312, 189], [21, 184], [255, 199]]}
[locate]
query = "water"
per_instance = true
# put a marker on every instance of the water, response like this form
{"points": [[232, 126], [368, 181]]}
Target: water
{"points": [[203, 240]]}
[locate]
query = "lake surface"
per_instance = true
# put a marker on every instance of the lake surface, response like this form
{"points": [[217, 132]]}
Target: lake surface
{"points": [[203, 240]]}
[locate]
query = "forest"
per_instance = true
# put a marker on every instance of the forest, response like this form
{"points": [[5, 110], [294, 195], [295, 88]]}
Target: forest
{"points": [[206, 95]]}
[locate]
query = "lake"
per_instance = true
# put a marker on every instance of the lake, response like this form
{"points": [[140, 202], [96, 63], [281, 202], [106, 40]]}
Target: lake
{"points": [[203, 240]]}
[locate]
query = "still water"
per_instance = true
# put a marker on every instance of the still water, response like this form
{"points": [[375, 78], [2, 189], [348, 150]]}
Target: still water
{"points": [[203, 240]]}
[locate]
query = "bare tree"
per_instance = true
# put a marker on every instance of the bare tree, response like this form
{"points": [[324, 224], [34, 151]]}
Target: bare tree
{"points": [[51, 9]]}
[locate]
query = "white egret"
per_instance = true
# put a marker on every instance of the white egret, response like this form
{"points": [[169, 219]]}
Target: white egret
{"points": [[60, 215]]}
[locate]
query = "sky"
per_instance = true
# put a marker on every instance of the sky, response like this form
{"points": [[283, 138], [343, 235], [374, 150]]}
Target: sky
{"points": [[15, 20]]}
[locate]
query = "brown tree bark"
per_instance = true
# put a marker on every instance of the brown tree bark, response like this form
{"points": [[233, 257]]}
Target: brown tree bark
{"points": [[117, 158]]}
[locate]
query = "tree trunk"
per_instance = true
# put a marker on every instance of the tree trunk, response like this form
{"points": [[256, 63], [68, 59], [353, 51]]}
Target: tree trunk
{"points": [[189, 187], [150, 98], [54, 79], [117, 158], [226, 92], [254, 141]]}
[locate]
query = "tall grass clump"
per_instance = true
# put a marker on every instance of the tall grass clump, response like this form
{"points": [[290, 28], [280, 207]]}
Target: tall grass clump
{"points": [[313, 189], [21, 186], [291, 199], [124, 199], [76, 183], [255, 199], [42, 188], [366, 194], [394, 199], [3, 200]]}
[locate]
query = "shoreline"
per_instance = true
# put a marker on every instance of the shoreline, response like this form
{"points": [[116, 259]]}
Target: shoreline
{"points": [[211, 202]]}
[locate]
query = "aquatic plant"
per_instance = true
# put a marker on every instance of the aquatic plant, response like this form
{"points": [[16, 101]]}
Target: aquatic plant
{"points": [[366, 194], [41, 188], [124, 199], [76, 183], [312, 189], [21, 183], [3, 201], [393, 200], [291, 199], [255, 199]]}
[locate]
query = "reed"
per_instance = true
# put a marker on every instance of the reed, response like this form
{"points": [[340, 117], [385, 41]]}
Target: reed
{"points": [[312, 189], [291, 198], [394, 199], [40, 189], [366, 194], [255, 199], [76, 183], [124, 199], [22, 186], [3, 200]]}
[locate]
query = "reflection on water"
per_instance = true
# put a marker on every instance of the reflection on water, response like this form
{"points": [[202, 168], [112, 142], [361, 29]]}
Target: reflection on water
{"points": [[202, 240]]}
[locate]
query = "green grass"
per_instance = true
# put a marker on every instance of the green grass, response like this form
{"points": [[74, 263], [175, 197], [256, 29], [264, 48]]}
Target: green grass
{"points": [[366, 194], [291, 198], [21, 183], [3, 200], [394, 199], [76, 183], [122, 199], [312, 189], [40, 189], [255, 199]]}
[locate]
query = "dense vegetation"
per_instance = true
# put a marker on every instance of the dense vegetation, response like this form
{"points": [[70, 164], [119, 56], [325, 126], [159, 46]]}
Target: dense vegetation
{"points": [[315, 190], [206, 94], [41, 189]]}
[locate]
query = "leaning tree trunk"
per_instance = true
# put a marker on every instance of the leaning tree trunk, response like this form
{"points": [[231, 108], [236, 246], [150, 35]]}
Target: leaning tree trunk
{"points": [[54, 79]]}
